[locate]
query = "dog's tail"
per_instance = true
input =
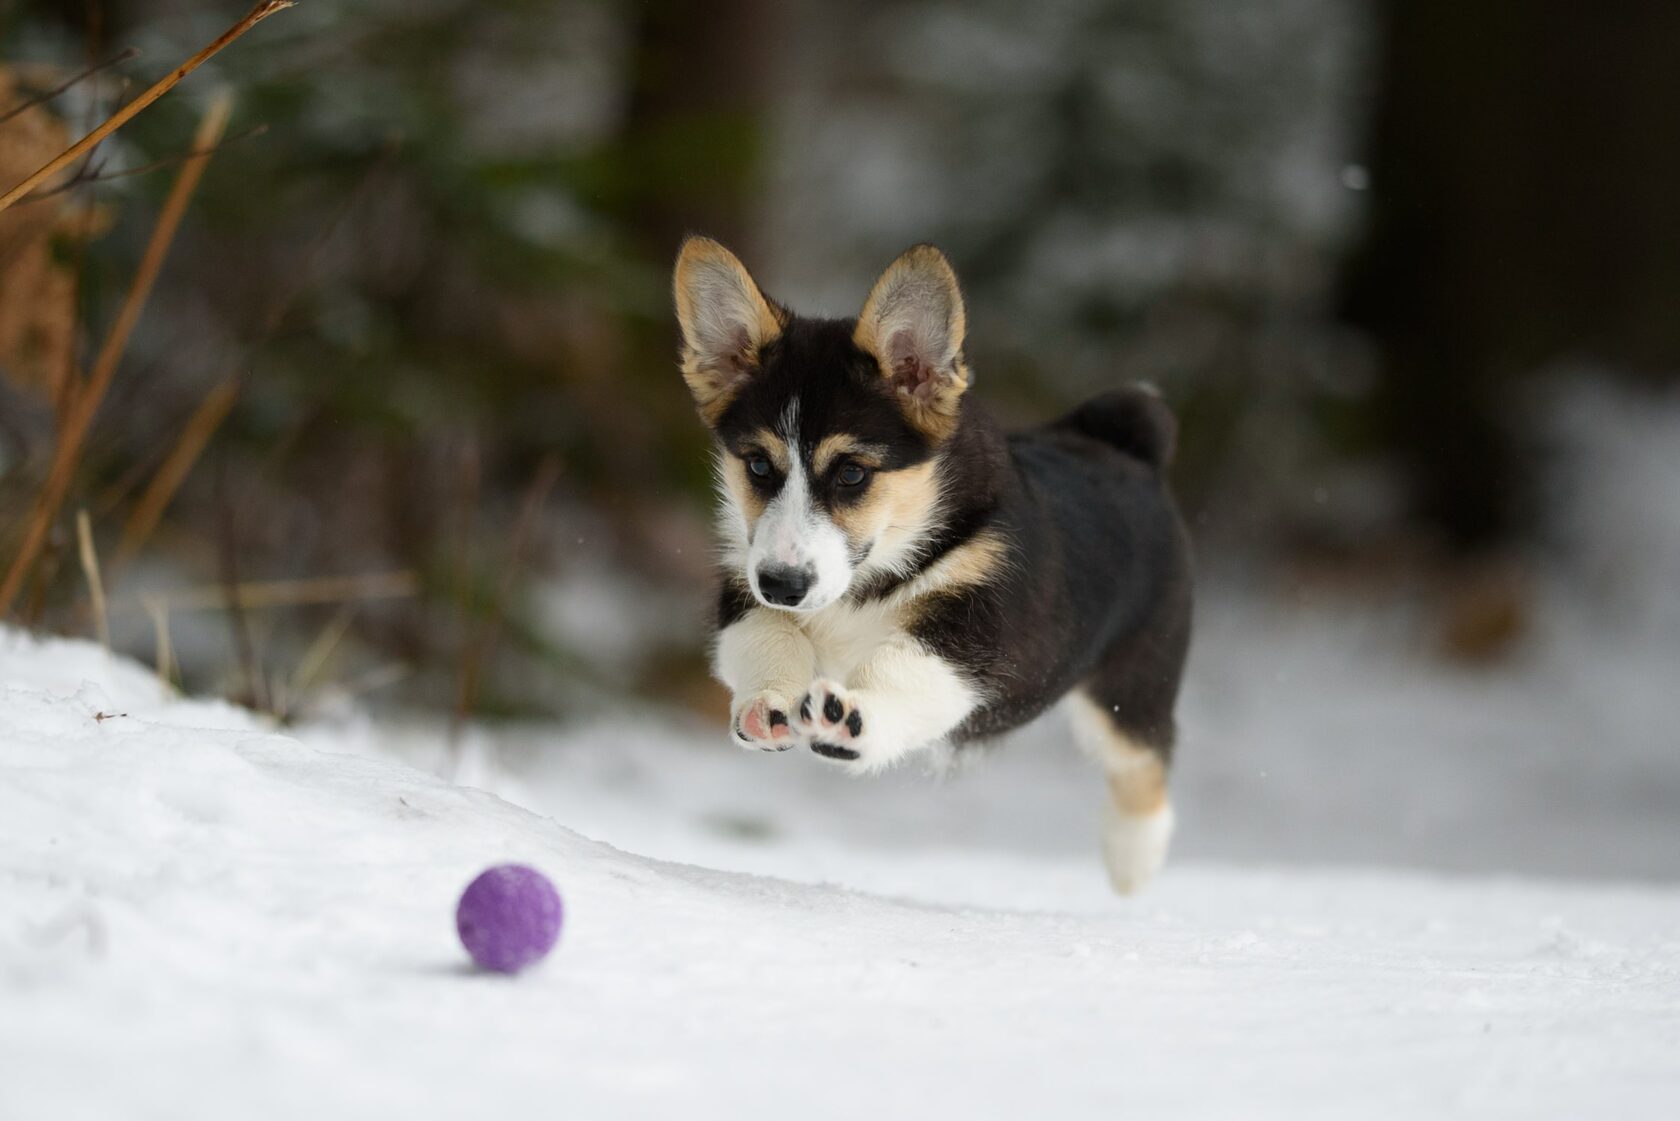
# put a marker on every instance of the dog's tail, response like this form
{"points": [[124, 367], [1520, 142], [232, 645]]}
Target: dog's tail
{"points": [[1134, 419]]}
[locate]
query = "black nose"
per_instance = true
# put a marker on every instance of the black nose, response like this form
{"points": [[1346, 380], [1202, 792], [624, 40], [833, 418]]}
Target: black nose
{"points": [[783, 586]]}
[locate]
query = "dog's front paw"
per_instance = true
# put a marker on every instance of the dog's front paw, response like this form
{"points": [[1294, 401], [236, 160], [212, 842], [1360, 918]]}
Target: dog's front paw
{"points": [[832, 720], [761, 722]]}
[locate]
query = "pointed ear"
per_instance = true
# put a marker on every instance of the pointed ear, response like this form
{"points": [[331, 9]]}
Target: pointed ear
{"points": [[725, 322], [913, 323]]}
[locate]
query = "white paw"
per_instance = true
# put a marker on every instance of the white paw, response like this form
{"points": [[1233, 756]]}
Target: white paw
{"points": [[763, 722], [830, 719], [1135, 847]]}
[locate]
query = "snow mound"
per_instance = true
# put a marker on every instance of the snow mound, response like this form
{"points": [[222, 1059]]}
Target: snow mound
{"points": [[202, 918]]}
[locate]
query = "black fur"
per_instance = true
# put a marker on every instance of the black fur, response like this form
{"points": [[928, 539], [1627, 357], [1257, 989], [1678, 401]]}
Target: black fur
{"points": [[839, 389], [1097, 591], [1134, 420]]}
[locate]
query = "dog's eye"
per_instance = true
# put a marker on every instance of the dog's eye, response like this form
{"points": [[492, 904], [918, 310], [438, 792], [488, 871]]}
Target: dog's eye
{"points": [[759, 465], [851, 475]]}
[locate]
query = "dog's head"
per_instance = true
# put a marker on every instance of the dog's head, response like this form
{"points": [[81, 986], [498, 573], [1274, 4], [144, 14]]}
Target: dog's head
{"points": [[828, 430]]}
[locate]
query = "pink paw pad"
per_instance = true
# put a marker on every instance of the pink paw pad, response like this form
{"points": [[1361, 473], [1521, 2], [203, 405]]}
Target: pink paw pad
{"points": [[764, 725]]}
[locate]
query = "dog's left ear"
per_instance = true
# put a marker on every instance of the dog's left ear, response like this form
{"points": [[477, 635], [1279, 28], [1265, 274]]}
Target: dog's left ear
{"points": [[913, 323]]}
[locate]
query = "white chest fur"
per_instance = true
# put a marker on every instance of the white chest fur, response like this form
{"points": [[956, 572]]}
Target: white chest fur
{"points": [[844, 635]]}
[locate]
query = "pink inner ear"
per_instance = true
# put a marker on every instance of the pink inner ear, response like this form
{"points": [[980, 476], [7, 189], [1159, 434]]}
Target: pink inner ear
{"points": [[738, 360], [909, 373]]}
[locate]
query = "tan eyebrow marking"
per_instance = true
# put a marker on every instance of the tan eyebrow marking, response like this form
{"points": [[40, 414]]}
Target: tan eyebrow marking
{"points": [[771, 445], [833, 447]]}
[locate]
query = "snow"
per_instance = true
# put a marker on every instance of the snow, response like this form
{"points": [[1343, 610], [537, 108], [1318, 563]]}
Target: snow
{"points": [[199, 917], [1401, 889]]}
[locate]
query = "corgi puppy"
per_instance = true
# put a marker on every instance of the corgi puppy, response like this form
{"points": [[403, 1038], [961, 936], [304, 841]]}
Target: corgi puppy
{"points": [[899, 575]]}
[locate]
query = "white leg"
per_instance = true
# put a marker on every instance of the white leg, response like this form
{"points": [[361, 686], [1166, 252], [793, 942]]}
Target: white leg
{"points": [[766, 661], [1135, 845], [900, 699], [1138, 819]]}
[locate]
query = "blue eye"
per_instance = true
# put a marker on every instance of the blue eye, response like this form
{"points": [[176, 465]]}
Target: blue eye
{"points": [[759, 466], [851, 475]]}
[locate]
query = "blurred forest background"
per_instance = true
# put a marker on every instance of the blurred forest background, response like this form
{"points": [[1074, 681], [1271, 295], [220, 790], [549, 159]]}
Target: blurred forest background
{"points": [[407, 374]]}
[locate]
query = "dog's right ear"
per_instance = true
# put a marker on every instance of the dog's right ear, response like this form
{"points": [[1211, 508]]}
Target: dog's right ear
{"points": [[726, 322]]}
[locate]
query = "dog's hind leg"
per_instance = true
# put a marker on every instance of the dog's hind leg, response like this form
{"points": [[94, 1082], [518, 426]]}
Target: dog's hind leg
{"points": [[1138, 818]]}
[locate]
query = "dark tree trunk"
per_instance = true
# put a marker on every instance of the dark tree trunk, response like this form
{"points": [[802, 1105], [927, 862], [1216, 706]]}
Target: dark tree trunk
{"points": [[1525, 165], [696, 125]]}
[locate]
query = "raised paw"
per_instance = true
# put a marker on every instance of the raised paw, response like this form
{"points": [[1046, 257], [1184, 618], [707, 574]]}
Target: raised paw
{"points": [[760, 722], [830, 718]]}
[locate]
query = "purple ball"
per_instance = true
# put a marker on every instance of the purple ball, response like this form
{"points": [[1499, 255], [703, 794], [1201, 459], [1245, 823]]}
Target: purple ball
{"points": [[509, 917]]}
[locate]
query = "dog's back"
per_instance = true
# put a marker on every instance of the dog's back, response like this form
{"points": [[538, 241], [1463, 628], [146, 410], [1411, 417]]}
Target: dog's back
{"points": [[1098, 567]]}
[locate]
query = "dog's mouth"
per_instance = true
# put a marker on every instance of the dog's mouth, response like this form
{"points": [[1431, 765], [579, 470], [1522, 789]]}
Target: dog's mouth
{"points": [[803, 607]]}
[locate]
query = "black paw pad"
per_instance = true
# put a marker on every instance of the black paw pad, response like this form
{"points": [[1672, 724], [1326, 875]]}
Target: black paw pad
{"points": [[832, 711], [833, 751], [854, 723], [777, 717], [805, 708]]}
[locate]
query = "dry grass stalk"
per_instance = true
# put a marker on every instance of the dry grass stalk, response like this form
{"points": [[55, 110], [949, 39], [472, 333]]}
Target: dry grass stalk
{"points": [[380, 677], [70, 155], [92, 172], [87, 399], [227, 548], [45, 96], [195, 434], [315, 659], [461, 555], [478, 652], [159, 612], [90, 569]]}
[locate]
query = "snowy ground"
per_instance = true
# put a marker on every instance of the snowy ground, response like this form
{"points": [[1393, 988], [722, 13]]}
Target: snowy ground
{"points": [[1401, 891], [201, 919]]}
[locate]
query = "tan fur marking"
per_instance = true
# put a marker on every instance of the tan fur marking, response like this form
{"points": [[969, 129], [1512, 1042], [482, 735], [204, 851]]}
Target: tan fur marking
{"points": [[725, 321], [747, 499], [975, 561], [773, 446], [712, 394], [970, 564], [1137, 775], [896, 506], [1141, 792], [843, 444]]}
